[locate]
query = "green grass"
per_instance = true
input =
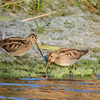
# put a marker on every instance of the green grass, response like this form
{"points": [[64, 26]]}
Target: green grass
{"points": [[40, 28], [5, 18], [16, 6], [96, 49], [35, 68], [39, 5]]}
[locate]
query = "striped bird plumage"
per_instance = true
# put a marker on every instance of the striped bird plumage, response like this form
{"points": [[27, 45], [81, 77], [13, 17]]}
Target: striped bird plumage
{"points": [[65, 56], [19, 46]]}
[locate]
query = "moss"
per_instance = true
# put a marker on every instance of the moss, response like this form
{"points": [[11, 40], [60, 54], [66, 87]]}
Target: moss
{"points": [[83, 68], [33, 74], [59, 72], [82, 72], [5, 18], [35, 68], [96, 49]]}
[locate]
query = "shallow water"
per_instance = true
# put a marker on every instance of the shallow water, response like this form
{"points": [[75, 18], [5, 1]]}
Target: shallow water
{"points": [[55, 89]]}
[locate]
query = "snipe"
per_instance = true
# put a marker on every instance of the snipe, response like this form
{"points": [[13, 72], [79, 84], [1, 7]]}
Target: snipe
{"points": [[19, 46], [65, 56]]}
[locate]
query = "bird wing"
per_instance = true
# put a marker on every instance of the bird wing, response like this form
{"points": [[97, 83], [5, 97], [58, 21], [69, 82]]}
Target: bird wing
{"points": [[15, 39], [12, 47], [12, 44], [72, 53]]}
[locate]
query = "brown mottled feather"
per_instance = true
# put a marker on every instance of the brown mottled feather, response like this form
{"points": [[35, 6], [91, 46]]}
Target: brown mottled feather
{"points": [[65, 56], [12, 44], [18, 46], [71, 53]]}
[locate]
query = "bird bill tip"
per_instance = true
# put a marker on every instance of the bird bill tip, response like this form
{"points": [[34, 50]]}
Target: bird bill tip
{"points": [[48, 63]]}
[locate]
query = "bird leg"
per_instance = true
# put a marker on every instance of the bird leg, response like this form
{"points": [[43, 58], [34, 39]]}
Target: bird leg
{"points": [[74, 66], [68, 67]]}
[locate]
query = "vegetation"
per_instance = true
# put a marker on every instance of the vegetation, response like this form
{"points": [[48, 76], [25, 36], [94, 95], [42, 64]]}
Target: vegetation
{"points": [[30, 6], [34, 6], [36, 68], [40, 28], [90, 5]]}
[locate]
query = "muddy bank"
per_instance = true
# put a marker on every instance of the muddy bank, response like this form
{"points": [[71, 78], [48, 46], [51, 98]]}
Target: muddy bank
{"points": [[80, 30]]}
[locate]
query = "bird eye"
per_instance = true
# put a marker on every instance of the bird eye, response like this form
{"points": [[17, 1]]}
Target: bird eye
{"points": [[32, 36]]}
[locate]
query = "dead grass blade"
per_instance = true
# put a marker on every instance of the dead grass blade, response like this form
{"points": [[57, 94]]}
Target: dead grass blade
{"points": [[3, 33], [11, 3], [93, 27], [90, 6], [38, 16]]}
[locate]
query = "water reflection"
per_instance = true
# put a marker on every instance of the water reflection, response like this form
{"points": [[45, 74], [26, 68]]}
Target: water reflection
{"points": [[41, 88], [32, 85], [14, 98], [84, 83], [33, 79], [86, 91]]}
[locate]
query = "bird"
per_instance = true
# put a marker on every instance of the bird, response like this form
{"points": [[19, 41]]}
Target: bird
{"points": [[65, 56], [18, 46]]}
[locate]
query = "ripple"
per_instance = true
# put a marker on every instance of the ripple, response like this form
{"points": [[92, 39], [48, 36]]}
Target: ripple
{"points": [[33, 79], [86, 91], [14, 98], [32, 85], [84, 83]]}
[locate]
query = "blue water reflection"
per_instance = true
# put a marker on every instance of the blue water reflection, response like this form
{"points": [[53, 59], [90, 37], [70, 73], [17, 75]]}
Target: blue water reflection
{"points": [[33, 79], [84, 83], [14, 98], [32, 85], [86, 91], [98, 76], [39, 86]]}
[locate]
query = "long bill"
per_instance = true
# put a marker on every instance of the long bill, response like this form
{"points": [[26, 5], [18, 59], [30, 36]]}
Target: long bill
{"points": [[39, 49], [48, 63]]}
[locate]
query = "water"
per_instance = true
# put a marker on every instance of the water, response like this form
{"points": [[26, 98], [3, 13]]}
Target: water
{"points": [[55, 89]]}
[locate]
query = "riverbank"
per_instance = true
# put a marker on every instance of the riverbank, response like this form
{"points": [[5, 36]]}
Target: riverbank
{"points": [[80, 30]]}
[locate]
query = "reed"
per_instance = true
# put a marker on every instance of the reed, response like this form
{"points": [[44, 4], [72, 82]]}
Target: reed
{"points": [[37, 6], [89, 5], [18, 5]]}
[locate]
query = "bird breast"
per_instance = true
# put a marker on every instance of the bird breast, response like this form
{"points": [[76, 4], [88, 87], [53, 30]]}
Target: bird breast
{"points": [[64, 61]]}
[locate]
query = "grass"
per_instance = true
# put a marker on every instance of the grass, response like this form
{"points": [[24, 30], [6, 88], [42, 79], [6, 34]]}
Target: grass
{"points": [[5, 18], [38, 6], [41, 28], [96, 49], [47, 47], [35, 68], [89, 5], [16, 6]]}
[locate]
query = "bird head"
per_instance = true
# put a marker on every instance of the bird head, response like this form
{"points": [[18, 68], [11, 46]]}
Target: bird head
{"points": [[51, 58], [33, 39]]}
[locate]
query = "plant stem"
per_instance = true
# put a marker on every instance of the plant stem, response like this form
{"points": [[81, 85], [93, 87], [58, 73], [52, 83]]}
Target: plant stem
{"points": [[38, 5], [41, 4]]}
